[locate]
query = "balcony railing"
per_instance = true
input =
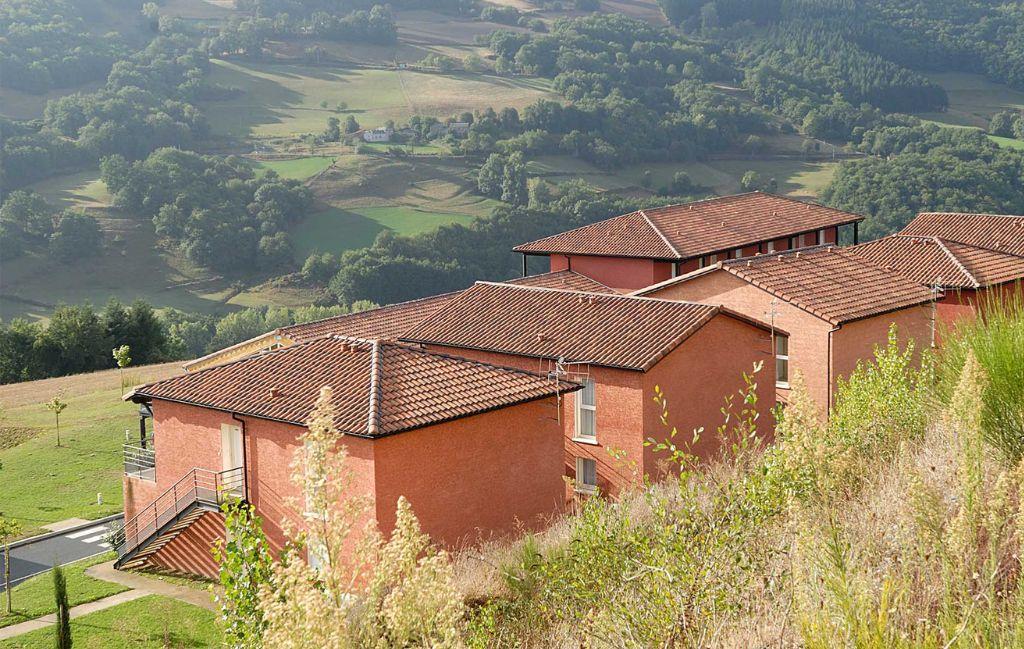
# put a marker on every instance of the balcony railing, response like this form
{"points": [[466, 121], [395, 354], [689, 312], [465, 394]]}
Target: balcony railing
{"points": [[198, 486], [140, 460]]}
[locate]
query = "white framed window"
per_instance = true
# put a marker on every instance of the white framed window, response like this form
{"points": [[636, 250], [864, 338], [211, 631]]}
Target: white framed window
{"points": [[771, 246], [712, 259], [821, 236], [736, 254], [700, 262], [586, 413], [586, 475], [781, 361]]}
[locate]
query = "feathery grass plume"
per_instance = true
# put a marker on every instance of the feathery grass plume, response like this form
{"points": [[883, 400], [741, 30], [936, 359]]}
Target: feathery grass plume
{"points": [[338, 585], [411, 601]]}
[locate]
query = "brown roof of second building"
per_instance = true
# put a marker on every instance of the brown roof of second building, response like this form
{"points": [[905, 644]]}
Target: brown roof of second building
{"points": [[379, 388], [563, 279], [831, 283], [694, 229], [601, 329], [386, 323], [997, 232], [934, 261]]}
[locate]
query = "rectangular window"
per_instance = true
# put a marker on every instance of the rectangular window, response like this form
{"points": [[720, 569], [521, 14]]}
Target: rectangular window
{"points": [[700, 263], [586, 412], [821, 237], [736, 254], [782, 361], [771, 246], [713, 259], [586, 475]]}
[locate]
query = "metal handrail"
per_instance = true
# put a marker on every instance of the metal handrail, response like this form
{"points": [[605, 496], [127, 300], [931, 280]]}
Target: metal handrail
{"points": [[139, 461], [196, 486]]}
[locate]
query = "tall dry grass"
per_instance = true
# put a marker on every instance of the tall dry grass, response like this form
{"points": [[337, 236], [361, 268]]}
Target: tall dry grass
{"points": [[898, 524]]}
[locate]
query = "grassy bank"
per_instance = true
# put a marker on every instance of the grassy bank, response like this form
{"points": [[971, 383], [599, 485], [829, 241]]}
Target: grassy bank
{"points": [[34, 597], [148, 622], [44, 483]]}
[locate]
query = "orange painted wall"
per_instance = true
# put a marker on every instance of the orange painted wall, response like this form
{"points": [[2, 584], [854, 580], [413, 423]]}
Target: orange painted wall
{"points": [[809, 345], [476, 478], [696, 377], [808, 341], [633, 274], [465, 478], [620, 403], [857, 340], [616, 272]]}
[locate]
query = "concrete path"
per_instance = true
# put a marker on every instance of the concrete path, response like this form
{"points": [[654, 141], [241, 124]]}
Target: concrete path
{"points": [[76, 611], [200, 597], [140, 585]]}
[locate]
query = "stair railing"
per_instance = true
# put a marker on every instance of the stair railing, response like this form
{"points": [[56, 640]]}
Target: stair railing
{"points": [[197, 486]]}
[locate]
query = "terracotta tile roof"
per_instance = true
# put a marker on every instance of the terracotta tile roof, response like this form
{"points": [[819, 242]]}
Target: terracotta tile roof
{"points": [[694, 229], [386, 323], [380, 388], [565, 279], [931, 261], [992, 231], [600, 329], [831, 283]]}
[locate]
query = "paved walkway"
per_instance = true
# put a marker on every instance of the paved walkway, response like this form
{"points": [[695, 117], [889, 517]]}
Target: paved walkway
{"points": [[200, 597], [76, 611], [140, 585]]}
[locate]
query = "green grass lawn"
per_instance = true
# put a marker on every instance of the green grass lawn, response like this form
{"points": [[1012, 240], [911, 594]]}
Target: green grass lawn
{"points": [[795, 177], [336, 229], [81, 189], [148, 622], [42, 483], [384, 147], [297, 169], [973, 99], [284, 99], [34, 597]]}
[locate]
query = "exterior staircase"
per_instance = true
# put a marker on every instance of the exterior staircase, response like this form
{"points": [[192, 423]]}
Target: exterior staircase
{"points": [[199, 491]]}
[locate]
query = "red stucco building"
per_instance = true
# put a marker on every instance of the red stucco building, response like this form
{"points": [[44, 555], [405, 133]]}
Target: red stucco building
{"points": [[620, 348], [833, 307], [475, 448], [636, 250]]}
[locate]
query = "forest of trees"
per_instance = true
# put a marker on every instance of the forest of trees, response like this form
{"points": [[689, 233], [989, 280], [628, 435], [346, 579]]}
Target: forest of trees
{"points": [[46, 44], [81, 339], [217, 210]]}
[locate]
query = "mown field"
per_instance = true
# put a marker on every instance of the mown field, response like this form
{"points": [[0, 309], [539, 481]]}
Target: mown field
{"points": [[973, 99], [361, 196], [278, 100], [795, 177], [44, 483]]}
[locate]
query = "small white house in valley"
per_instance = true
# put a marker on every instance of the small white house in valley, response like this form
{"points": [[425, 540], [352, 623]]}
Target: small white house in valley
{"points": [[379, 134]]}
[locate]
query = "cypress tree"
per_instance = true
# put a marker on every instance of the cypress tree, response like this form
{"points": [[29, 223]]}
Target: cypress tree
{"points": [[62, 639]]}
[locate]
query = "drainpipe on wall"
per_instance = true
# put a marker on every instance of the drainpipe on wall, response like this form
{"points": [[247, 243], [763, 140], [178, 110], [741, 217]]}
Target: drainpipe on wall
{"points": [[828, 371], [245, 458]]}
